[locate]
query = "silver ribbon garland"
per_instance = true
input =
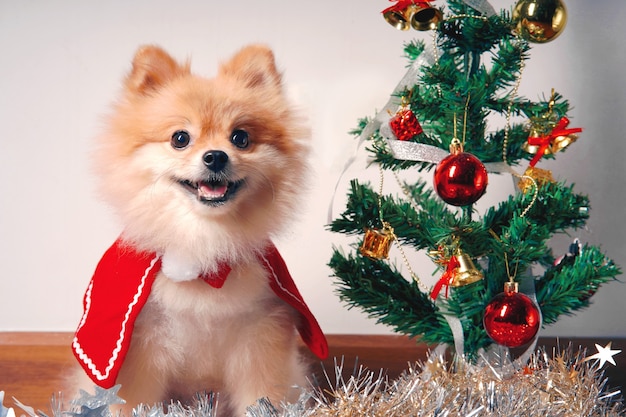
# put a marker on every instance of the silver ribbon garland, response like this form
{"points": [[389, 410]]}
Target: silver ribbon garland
{"points": [[409, 79], [420, 152], [457, 333]]}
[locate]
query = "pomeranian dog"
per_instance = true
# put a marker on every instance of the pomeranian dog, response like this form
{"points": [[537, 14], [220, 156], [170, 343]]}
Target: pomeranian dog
{"points": [[193, 296]]}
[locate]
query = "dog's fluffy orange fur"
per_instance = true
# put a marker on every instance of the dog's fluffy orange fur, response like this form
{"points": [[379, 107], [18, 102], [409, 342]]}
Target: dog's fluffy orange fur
{"points": [[238, 340]]}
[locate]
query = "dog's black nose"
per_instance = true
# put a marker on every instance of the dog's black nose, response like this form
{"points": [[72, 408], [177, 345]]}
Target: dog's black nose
{"points": [[215, 160]]}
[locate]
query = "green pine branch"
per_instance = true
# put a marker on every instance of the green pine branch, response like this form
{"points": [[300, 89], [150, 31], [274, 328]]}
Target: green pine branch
{"points": [[569, 286], [384, 294]]}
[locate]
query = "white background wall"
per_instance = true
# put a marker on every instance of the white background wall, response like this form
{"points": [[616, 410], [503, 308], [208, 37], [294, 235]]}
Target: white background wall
{"points": [[61, 65]]}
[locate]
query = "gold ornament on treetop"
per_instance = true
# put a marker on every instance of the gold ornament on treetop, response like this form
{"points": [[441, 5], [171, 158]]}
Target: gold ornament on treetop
{"points": [[540, 21]]}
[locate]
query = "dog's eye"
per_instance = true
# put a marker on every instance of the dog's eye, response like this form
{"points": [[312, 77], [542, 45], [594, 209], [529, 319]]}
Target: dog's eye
{"points": [[239, 138], [180, 139]]}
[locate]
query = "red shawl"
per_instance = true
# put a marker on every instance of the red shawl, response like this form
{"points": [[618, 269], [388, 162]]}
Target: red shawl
{"points": [[120, 288]]}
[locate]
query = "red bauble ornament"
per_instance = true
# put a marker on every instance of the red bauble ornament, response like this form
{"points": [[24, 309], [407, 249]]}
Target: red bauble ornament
{"points": [[460, 179], [511, 319], [404, 124]]}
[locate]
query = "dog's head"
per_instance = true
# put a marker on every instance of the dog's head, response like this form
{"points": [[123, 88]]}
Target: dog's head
{"points": [[185, 155]]}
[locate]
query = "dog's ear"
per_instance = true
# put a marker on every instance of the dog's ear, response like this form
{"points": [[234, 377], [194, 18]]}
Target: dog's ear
{"points": [[152, 68], [253, 65]]}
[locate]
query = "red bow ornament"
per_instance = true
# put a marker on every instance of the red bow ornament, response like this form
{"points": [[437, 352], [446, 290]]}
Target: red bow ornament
{"points": [[412, 13], [400, 6], [446, 279], [548, 142]]}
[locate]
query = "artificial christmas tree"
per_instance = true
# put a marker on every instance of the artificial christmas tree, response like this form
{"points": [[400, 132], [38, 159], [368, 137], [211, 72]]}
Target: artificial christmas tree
{"points": [[470, 72]]}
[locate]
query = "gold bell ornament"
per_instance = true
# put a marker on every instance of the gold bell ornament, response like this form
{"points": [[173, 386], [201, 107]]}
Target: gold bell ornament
{"points": [[460, 271], [419, 15], [376, 243], [466, 273], [541, 142], [547, 136], [539, 21]]}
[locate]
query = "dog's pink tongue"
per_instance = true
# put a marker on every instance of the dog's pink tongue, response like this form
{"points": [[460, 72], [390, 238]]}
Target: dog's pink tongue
{"points": [[212, 190]]}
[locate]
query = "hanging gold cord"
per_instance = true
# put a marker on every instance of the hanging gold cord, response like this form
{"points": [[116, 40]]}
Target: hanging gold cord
{"points": [[507, 127], [389, 229]]}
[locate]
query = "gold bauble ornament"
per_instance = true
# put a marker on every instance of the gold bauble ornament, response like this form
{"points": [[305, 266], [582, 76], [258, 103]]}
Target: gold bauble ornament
{"points": [[540, 21]]}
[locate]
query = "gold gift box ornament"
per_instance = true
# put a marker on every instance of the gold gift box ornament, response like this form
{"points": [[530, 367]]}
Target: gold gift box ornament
{"points": [[532, 176], [376, 243]]}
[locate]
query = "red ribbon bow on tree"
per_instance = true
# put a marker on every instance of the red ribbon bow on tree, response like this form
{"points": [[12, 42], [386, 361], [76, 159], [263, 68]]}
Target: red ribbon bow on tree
{"points": [[402, 5], [446, 279], [543, 142]]}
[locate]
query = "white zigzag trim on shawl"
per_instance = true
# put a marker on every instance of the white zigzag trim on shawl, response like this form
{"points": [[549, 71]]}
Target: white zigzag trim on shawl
{"points": [[277, 281], [118, 346]]}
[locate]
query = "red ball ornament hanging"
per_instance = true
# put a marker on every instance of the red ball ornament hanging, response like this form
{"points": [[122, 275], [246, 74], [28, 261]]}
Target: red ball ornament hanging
{"points": [[511, 319], [460, 178]]}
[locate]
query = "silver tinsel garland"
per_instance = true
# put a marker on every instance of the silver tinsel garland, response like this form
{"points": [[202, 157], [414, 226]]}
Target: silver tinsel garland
{"points": [[565, 384]]}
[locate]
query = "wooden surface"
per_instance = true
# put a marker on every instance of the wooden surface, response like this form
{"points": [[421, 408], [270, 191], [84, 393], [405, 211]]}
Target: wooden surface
{"points": [[33, 365]]}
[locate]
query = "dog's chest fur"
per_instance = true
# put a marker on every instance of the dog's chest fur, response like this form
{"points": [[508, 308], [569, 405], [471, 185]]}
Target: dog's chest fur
{"points": [[196, 327]]}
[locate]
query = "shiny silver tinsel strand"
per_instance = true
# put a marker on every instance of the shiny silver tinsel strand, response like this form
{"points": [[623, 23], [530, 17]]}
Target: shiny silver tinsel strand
{"points": [[564, 384], [204, 405]]}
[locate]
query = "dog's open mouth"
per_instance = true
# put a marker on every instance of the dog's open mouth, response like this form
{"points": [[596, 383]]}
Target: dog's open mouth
{"points": [[213, 191]]}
